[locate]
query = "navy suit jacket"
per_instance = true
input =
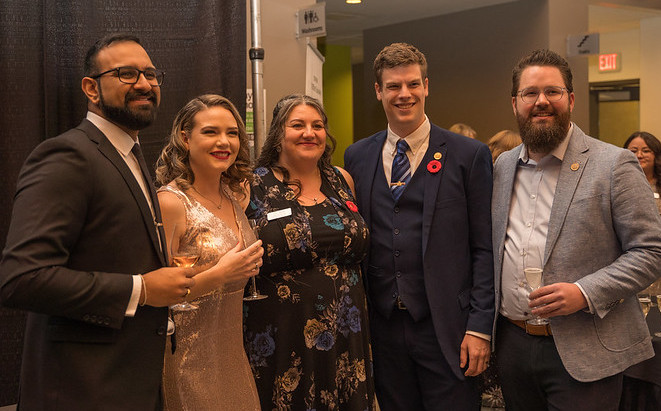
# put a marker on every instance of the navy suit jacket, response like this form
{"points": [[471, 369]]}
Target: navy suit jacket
{"points": [[456, 231]]}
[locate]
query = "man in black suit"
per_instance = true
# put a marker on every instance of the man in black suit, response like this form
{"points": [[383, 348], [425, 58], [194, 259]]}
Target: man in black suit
{"points": [[84, 252], [425, 194]]}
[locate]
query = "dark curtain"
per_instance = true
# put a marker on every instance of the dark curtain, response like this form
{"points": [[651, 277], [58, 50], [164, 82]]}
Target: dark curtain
{"points": [[201, 45]]}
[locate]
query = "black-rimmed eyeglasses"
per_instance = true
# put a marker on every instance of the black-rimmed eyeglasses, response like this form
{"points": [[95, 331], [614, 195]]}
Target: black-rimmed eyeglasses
{"points": [[130, 75], [552, 93]]}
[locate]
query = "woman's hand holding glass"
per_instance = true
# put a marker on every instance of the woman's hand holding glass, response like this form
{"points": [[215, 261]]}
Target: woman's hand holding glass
{"points": [[238, 264]]}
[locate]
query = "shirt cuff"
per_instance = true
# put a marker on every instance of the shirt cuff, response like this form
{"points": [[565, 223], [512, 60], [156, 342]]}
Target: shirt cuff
{"points": [[479, 335], [590, 308], [135, 296]]}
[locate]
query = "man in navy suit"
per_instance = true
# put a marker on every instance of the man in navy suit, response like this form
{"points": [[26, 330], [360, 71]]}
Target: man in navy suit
{"points": [[426, 194]]}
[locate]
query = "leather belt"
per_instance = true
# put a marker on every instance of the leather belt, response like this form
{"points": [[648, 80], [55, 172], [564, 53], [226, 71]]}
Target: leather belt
{"points": [[400, 304], [532, 329]]}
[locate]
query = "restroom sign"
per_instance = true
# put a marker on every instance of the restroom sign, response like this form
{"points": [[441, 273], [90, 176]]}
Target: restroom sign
{"points": [[610, 62], [311, 21]]}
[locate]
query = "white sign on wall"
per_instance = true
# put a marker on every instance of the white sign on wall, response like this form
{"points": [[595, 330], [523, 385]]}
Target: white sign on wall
{"points": [[583, 44], [311, 21], [314, 66]]}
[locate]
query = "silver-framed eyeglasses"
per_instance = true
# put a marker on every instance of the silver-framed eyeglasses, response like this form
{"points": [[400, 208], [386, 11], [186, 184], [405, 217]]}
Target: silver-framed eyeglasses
{"points": [[552, 93], [130, 75]]}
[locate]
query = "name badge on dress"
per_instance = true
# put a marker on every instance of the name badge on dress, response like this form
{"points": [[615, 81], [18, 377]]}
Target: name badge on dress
{"points": [[274, 215], [656, 195]]}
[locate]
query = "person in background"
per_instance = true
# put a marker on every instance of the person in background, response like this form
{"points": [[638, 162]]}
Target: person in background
{"points": [[647, 149], [580, 210], [84, 250], [308, 342], [204, 173], [464, 130], [425, 194], [503, 141]]}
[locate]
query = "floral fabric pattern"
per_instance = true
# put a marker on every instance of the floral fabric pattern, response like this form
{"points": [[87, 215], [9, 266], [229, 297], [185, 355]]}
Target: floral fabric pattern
{"points": [[308, 342]]}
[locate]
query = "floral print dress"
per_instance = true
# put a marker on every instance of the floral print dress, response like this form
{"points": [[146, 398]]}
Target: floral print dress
{"points": [[308, 342]]}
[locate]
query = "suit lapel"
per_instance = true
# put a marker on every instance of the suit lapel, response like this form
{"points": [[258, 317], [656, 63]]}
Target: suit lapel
{"points": [[573, 164], [432, 181], [502, 198], [108, 150], [372, 157]]}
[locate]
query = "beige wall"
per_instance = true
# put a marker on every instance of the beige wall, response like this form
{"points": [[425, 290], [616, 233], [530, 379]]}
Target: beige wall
{"points": [[650, 80], [627, 43], [284, 58]]}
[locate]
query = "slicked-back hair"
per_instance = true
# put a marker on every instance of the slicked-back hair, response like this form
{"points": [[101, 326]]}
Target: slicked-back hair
{"points": [[174, 162], [399, 54], [91, 67], [542, 57]]}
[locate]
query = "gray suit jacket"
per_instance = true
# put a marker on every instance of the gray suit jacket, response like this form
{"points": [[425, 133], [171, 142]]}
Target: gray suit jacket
{"points": [[605, 234]]}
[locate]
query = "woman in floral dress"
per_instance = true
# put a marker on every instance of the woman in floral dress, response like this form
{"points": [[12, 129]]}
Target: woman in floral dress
{"points": [[308, 342]]}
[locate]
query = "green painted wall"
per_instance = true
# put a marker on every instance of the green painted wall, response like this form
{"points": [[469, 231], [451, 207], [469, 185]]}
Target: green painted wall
{"points": [[338, 101]]}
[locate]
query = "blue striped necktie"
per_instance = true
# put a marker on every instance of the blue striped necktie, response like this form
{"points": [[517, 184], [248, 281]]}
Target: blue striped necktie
{"points": [[401, 170]]}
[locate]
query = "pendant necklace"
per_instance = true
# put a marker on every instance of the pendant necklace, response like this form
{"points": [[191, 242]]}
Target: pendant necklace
{"points": [[218, 206]]}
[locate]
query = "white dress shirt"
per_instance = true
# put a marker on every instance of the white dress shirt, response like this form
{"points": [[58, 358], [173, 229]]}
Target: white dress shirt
{"points": [[123, 143]]}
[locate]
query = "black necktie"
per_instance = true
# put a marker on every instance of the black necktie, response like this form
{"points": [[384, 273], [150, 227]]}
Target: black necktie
{"points": [[137, 152]]}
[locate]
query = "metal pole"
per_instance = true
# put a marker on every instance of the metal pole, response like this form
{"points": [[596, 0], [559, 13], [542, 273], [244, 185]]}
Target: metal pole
{"points": [[256, 54]]}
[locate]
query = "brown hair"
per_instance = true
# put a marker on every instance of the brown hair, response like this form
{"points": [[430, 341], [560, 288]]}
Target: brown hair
{"points": [[463, 129], [270, 154], [542, 58], [174, 162], [655, 145], [503, 141], [399, 54]]}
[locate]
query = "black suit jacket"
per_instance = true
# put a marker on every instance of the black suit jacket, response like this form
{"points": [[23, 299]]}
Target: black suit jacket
{"points": [[456, 231], [80, 228]]}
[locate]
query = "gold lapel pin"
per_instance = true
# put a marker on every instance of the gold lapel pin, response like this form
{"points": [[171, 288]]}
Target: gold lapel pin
{"points": [[437, 156], [574, 167]]}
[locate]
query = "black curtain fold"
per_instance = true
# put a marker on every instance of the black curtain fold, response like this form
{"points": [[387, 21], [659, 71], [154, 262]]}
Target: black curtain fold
{"points": [[200, 44]]}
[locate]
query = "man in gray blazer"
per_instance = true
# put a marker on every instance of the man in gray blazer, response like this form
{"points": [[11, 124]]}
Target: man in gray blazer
{"points": [[581, 210], [84, 253]]}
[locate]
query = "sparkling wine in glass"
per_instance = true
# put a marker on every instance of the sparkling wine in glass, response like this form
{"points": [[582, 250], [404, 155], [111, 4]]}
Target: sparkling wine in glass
{"points": [[185, 250], [534, 279], [254, 292], [645, 304]]}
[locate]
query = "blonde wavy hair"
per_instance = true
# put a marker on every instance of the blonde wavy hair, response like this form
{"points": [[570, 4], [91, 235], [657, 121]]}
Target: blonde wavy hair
{"points": [[174, 165]]}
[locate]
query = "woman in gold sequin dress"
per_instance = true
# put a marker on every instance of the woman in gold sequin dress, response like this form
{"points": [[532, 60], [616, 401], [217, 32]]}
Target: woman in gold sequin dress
{"points": [[204, 172]]}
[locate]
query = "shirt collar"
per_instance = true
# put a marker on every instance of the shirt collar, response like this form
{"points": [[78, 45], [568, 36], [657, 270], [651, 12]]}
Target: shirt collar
{"points": [[117, 137], [558, 152], [414, 140]]}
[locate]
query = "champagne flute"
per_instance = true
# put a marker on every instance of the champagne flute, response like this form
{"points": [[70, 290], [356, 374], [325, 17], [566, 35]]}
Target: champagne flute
{"points": [[645, 303], [185, 251], [658, 305], [534, 279], [254, 294]]}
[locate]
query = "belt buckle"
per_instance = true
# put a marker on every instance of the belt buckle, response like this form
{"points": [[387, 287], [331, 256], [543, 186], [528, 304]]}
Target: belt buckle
{"points": [[537, 330], [400, 304]]}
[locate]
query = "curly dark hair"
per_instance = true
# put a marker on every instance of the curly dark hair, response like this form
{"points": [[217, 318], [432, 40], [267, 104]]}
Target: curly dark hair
{"points": [[174, 165], [270, 154], [655, 145]]}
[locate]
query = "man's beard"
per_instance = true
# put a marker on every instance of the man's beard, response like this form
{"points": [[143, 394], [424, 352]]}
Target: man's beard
{"points": [[542, 138], [124, 116]]}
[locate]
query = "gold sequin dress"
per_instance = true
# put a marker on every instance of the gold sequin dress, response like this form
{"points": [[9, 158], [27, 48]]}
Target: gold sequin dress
{"points": [[209, 369]]}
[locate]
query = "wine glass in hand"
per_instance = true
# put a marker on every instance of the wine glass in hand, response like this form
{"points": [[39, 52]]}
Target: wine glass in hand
{"points": [[534, 279], [254, 294], [185, 251]]}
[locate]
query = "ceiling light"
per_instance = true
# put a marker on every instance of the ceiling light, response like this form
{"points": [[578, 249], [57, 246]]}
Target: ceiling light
{"points": [[353, 1]]}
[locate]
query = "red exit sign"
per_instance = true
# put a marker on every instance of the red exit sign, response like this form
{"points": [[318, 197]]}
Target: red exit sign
{"points": [[609, 62]]}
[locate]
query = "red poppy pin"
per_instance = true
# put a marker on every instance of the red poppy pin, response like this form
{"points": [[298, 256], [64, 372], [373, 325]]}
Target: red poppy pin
{"points": [[352, 206], [434, 166]]}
